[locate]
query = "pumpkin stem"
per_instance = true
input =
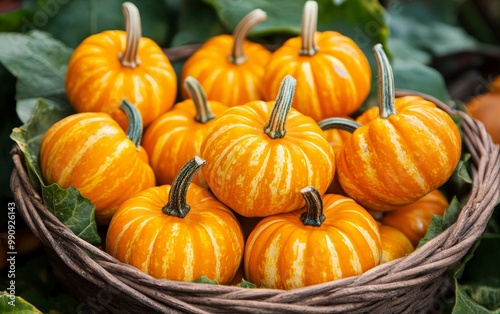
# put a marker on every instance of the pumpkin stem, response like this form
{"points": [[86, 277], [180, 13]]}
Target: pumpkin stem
{"points": [[338, 123], [197, 94], [240, 33], [314, 215], [385, 83], [177, 205], [129, 57], [308, 29], [134, 127], [275, 128]]}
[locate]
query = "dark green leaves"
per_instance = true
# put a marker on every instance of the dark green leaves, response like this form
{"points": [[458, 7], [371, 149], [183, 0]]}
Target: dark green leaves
{"points": [[68, 205], [14, 304]]}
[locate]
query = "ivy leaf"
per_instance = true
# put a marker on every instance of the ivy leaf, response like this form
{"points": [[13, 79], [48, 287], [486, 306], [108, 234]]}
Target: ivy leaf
{"points": [[205, 279], [246, 284], [440, 223], [14, 304], [39, 63], [68, 205]]}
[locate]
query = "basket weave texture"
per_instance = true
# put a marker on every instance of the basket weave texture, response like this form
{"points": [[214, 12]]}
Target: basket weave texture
{"points": [[412, 284]]}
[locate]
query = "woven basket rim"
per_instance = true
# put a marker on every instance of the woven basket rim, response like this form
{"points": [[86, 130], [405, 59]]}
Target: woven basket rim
{"points": [[395, 284]]}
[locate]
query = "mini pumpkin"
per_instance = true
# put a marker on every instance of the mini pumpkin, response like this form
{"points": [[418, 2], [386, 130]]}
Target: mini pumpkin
{"points": [[112, 65], [179, 232], [331, 238], [333, 74], [229, 67], [91, 152], [400, 156], [394, 243], [175, 137], [256, 166]]}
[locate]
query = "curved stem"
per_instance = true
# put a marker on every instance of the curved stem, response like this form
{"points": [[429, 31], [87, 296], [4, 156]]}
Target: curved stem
{"points": [[129, 57], [308, 28], [339, 123], [177, 205], [385, 83], [134, 127], [199, 98], [314, 215], [275, 128], [240, 33]]}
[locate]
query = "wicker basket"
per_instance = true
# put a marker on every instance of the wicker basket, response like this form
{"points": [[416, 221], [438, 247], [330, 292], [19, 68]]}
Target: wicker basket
{"points": [[412, 284]]}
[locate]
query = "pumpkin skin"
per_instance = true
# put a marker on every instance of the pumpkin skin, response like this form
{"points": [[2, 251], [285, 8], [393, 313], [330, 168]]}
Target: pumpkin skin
{"points": [[486, 109], [414, 219], [394, 244], [230, 68], [91, 152], [207, 241], [401, 155], [97, 78], [175, 137], [257, 175], [333, 74], [284, 253]]}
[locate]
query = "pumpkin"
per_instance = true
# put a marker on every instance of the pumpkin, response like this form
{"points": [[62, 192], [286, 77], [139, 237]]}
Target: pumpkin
{"points": [[175, 137], [229, 67], [333, 74], [112, 65], [400, 156], [178, 232], [486, 108], [256, 166], [92, 153], [394, 243], [331, 238], [414, 219]]}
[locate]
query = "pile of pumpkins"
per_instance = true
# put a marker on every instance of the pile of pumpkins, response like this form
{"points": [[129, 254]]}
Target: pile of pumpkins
{"points": [[259, 170]]}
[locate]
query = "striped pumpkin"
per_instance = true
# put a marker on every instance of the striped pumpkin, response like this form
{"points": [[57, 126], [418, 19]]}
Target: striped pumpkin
{"points": [[256, 166], [332, 238], [91, 152], [394, 243], [333, 74], [178, 232]]}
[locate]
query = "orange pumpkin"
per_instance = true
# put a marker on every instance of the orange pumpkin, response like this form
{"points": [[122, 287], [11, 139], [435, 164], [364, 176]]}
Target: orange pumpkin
{"points": [[175, 137], [394, 244], [256, 166], [486, 108], [401, 155], [334, 238], [414, 219], [112, 65], [179, 232], [91, 152], [231, 68], [333, 74]]}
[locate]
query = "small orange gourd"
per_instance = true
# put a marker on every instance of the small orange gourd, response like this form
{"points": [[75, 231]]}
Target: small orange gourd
{"points": [[400, 156], [172, 139], [256, 166], [486, 108], [112, 65], [179, 232], [91, 152], [333, 74], [394, 243], [331, 238], [231, 68], [414, 219]]}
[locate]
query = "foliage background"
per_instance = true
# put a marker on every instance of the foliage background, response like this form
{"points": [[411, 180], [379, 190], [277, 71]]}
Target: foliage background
{"points": [[446, 48]]}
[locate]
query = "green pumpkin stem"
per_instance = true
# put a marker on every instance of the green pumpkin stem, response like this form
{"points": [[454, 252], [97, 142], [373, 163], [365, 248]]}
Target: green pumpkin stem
{"points": [[177, 205], [338, 123], [129, 57], [240, 33], [198, 96], [275, 128], [308, 29], [385, 83], [134, 127], [314, 215]]}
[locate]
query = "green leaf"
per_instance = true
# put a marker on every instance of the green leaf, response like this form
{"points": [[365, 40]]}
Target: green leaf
{"points": [[68, 205], [205, 279], [440, 223], [465, 304], [14, 304], [246, 284], [39, 63]]}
